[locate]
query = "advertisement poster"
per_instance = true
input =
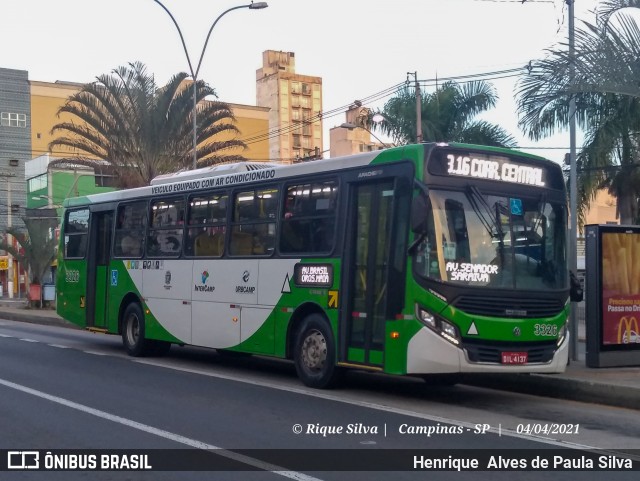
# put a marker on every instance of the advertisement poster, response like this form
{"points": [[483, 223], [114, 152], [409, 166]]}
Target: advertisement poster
{"points": [[620, 288]]}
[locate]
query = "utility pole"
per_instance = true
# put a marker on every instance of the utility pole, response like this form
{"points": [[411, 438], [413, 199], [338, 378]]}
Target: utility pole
{"points": [[418, 107], [573, 183], [9, 236]]}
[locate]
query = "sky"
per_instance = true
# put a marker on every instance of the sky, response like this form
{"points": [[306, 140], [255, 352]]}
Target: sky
{"points": [[358, 47]]}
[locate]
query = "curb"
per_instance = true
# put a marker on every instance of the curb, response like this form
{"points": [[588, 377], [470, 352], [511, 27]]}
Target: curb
{"points": [[36, 319], [548, 385]]}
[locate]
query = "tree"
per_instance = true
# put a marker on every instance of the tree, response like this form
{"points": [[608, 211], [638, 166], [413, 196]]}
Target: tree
{"points": [[607, 105], [141, 130], [447, 115], [37, 245]]}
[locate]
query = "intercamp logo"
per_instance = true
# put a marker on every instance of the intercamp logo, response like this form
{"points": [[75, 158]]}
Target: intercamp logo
{"points": [[23, 460]]}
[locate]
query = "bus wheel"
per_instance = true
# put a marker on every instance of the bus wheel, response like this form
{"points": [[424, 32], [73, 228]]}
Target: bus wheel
{"points": [[315, 353], [133, 331]]}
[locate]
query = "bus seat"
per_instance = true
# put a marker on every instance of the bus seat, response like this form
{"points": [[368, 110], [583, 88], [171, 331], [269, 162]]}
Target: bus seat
{"points": [[241, 244], [209, 245]]}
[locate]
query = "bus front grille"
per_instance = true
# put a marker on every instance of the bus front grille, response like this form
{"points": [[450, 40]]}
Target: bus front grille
{"points": [[507, 307], [488, 351]]}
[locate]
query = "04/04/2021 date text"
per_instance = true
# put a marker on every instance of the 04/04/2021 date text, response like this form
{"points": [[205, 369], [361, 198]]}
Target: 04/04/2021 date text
{"points": [[547, 429]]}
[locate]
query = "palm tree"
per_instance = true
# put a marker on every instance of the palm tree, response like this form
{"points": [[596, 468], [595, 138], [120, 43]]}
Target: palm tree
{"points": [[141, 130], [607, 106], [37, 245], [447, 115]]}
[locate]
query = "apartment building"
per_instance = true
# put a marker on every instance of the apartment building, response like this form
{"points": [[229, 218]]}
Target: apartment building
{"points": [[295, 103]]}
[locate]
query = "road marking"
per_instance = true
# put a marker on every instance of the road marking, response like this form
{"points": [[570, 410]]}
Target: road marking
{"points": [[58, 346], [369, 405], [194, 443], [96, 353], [270, 385], [5, 335], [29, 340]]}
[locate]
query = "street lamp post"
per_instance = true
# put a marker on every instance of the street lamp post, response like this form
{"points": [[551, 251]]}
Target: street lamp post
{"points": [[573, 185], [350, 126], [194, 73]]}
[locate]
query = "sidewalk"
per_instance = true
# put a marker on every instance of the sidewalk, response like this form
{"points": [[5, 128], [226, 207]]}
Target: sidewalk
{"points": [[617, 386]]}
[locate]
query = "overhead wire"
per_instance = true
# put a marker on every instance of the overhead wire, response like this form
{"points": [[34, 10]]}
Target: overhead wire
{"points": [[369, 99], [281, 130]]}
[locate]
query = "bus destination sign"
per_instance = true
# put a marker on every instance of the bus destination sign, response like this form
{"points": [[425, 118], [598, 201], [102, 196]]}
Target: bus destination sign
{"points": [[313, 275], [495, 168]]}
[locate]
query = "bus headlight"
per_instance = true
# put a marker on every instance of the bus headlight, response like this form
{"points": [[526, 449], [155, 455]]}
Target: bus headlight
{"points": [[426, 318], [561, 334], [449, 332], [438, 325]]}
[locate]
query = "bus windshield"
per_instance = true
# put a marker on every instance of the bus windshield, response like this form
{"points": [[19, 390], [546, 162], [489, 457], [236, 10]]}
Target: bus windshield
{"points": [[512, 242]]}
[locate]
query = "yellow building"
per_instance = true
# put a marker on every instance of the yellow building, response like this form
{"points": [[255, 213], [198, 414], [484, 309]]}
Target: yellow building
{"points": [[48, 97]]}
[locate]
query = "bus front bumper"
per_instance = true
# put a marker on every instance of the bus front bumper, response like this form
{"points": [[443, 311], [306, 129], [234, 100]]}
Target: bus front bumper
{"points": [[429, 353]]}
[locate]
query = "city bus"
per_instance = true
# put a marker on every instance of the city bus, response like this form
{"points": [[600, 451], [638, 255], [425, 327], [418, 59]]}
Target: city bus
{"points": [[435, 260]]}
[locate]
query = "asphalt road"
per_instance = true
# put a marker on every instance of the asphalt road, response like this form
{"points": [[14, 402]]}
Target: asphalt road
{"points": [[67, 389]]}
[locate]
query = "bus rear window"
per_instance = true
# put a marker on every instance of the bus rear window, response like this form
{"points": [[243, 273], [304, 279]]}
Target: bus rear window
{"points": [[76, 230]]}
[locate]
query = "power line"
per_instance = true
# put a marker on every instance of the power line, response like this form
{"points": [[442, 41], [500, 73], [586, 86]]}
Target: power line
{"points": [[491, 75], [281, 130]]}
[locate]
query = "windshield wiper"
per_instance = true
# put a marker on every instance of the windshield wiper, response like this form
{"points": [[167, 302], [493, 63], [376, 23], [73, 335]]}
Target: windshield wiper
{"points": [[487, 218]]}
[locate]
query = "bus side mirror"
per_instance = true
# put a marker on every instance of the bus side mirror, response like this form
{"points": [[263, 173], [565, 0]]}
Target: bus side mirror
{"points": [[576, 293], [419, 214]]}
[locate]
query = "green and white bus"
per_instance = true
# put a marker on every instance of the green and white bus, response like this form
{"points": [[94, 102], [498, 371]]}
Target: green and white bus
{"points": [[431, 259]]}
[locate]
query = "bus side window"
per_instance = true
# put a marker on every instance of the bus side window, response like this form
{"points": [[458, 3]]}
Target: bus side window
{"points": [[130, 226], [76, 230], [166, 228], [253, 227], [309, 217], [206, 218]]}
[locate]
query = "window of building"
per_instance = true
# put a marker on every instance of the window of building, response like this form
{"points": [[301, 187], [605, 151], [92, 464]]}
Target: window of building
{"points": [[253, 227], [166, 228], [76, 231], [37, 183], [130, 230], [11, 119], [309, 218], [295, 87], [306, 89], [206, 223]]}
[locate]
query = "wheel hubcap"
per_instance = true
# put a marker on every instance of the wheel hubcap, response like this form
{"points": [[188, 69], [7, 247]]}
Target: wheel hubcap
{"points": [[133, 330], [314, 350]]}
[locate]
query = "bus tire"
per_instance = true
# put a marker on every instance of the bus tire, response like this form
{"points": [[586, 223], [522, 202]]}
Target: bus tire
{"points": [[315, 353], [133, 331]]}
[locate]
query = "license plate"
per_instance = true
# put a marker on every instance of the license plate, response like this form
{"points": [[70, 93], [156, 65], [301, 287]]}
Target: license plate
{"points": [[514, 357]]}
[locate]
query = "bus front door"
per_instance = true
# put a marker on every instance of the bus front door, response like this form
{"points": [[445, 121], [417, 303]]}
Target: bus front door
{"points": [[98, 269], [366, 273]]}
